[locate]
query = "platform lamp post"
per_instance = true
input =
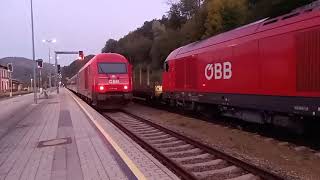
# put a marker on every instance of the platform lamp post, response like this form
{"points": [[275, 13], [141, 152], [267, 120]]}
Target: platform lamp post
{"points": [[33, 55], [56, 57], [49, 41]]}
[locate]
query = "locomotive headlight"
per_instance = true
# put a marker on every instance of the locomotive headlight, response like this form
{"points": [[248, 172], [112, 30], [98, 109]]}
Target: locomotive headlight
{"points": [[101, 88], [125, 87], [158, 90]]}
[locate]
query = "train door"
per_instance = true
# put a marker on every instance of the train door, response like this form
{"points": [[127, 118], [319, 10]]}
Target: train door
{"points": [[191, 73], [77, 83], [165, 77], [179, 74], [87, 81]]}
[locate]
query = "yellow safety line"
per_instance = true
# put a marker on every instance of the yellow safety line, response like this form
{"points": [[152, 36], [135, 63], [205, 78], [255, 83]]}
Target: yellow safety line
{"points": [[121, 153]]}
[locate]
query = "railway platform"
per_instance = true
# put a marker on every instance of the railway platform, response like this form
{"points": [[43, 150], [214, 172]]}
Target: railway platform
{"points": [[64, 138]]}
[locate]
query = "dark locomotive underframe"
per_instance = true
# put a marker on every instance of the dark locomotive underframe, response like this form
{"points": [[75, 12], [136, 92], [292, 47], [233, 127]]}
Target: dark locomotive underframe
{"points": [[283, 111]]}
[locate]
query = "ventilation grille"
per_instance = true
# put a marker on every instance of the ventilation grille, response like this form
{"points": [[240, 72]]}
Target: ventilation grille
{"points": [[308, 61]]}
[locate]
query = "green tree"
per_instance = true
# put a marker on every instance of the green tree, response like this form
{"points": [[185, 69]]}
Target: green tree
{"points": [[192, 20], [224, 15], [175, 17], [189, 8], [194, 28], [111, 46], [163, 45], [272, 8]]}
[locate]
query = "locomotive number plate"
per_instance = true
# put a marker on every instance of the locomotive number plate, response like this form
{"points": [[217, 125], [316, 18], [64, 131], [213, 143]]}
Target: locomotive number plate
{"points": [[114, 81]]}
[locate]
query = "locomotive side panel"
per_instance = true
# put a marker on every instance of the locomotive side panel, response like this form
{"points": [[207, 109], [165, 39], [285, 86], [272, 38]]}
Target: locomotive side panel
{"points": [[277, 65], [266, 75], [308, 61]]}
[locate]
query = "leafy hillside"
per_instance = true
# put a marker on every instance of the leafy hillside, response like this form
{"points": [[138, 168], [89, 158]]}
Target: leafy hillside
{"points": [[74, 67], [23, 68], [193, 20]]}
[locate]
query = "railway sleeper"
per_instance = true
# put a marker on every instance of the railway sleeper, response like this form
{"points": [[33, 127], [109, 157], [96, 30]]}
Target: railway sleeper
{"points": [[160, 137], [208, 163], [179, 148], [165, 140], [142, 132], [137, 124], [143, 128], [188, 153], [248, 176], [184, 160], [172, 145], [137, 127], [158, 134], [223, 171]]}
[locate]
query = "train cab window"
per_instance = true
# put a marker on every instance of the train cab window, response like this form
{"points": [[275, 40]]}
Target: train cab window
{"points": [[166, 67], [308, 10], [271, 22], [290, 16], [112, 68]]}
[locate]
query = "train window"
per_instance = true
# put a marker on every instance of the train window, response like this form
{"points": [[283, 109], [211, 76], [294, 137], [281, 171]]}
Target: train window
{"points": [[112, 68], [308, 10], [291, 15], [270, 22]]}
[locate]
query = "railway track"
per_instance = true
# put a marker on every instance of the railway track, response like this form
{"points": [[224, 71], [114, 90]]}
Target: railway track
{"points": [[189, 159], [308, 140]]}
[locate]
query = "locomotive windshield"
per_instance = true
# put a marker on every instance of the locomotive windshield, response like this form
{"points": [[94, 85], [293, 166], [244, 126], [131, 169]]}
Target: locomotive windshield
{"points": [[112, 68]]}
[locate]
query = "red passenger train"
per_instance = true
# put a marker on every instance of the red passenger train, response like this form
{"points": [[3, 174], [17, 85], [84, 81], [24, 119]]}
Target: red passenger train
{"points": [[266, 72], [105, 81]]}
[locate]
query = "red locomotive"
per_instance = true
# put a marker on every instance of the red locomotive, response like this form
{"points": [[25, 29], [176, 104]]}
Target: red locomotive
{"points": [[105, 81], [266, 72]]}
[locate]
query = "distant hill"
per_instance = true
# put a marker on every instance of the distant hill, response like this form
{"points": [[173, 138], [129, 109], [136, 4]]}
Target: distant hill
{"points": [[23, 68]]}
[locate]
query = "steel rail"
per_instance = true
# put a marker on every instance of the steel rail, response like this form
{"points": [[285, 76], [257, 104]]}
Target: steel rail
{"points": [[264, 174], [179, 171]]}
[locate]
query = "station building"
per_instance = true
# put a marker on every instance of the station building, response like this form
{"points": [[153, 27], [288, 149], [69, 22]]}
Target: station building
{"points": [[4, 79]]}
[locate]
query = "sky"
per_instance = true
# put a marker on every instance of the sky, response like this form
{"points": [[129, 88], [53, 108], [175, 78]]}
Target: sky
{"points": [[75, 24]]}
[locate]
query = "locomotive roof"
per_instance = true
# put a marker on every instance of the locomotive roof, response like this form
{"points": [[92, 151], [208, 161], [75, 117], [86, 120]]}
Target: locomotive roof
{"points": [[246, 30], [112, 57]]}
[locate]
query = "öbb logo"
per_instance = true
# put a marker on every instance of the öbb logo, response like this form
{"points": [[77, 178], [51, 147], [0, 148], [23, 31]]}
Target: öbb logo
{"points": [[114, 81], [219, 71]]}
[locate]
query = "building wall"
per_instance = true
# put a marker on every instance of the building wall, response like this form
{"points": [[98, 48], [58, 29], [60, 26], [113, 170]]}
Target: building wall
{"points": [[4, 80]]}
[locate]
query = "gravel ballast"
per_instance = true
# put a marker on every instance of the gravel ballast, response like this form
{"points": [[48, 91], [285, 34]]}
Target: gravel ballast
{"points": [[255, 149]]}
